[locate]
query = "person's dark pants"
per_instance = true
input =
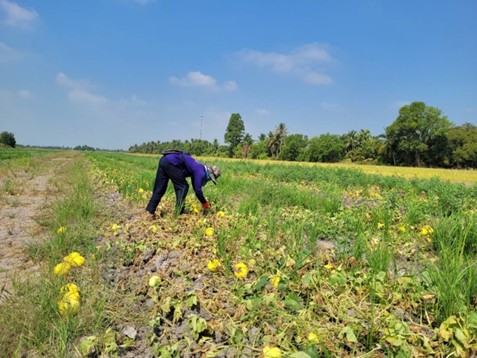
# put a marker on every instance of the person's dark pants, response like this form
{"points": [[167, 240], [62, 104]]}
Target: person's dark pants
{"points": [[166, 171]]}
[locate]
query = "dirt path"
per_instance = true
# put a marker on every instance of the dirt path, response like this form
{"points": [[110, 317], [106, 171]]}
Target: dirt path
{"points": [[28, 196]]}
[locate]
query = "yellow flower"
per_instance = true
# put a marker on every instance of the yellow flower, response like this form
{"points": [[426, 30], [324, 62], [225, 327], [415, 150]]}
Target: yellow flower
{"points": [[74, 259], [380, 225], [368, 216], [402, 228], [214, 265], [154, 281], [209, 231], [62, 269], [312, 337], [271, 352], [61, 230], [240, 270], [275, 280], [329, 266], [221, 214], [115, 227], [141, 190], [426, 230]]}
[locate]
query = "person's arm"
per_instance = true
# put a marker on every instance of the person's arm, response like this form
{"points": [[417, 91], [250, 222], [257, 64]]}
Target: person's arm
{"points": [[197, 172], [197, 178]]}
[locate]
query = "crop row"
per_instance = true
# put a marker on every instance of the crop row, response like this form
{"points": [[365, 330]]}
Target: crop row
{"points": [[337, 261]]}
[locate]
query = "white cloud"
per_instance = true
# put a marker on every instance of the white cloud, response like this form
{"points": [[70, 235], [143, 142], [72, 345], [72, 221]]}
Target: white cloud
{"points": [[195, 79], [198, 79], [25, 94], [277, 62], [15, 15], [79, 90], [136, 100], [8, 54], [67, 82], [311, 52], [303, 62], [317, 78], [82, 96]]}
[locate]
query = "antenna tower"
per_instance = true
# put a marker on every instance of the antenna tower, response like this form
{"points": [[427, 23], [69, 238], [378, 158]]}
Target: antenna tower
{"points": [[201, 127]]}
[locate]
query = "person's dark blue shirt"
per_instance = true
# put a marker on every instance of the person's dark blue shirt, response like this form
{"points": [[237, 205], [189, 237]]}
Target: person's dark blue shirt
{"points": [[193, 169]]}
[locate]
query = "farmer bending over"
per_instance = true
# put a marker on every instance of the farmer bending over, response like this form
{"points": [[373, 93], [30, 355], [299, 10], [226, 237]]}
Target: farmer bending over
{"points": [[177, 166]]}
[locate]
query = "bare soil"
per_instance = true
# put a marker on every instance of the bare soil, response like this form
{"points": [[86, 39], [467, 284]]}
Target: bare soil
{"points": [[19, 228]]}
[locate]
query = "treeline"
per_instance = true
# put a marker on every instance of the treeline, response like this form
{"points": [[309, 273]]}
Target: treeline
{"points": [[7, 139], [198, 147], [420, 136], [78, 147]]}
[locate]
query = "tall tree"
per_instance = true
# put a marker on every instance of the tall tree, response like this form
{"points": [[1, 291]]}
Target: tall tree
{"points": [[462, 145], [328, 148], [413, 131], [246, 145], [360, 145], [216, 146], [8, 138], [234, 133], [294, 147], [276, 139], [350, 140], [259, 150]]}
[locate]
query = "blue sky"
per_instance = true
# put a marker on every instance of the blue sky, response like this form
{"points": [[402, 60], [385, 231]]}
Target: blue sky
{"points": [[113, 73]]}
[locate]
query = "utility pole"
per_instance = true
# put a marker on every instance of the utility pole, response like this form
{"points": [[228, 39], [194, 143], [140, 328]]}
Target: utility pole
{"points": [[200, 127]]}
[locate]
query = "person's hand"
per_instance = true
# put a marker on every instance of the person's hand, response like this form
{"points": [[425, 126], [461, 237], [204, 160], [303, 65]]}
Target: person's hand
{"points": [[206, 205]]}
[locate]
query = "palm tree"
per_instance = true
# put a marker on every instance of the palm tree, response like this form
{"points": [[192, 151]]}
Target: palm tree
{"points": [[364, 135], [276, 139], [247, 142], [350, 140]]}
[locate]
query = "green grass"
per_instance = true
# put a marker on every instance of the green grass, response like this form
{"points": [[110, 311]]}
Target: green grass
{"points": [[31, 323], [373, 218]]}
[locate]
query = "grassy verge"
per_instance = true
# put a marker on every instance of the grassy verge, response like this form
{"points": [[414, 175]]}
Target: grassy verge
{"points": [[31, 320]]}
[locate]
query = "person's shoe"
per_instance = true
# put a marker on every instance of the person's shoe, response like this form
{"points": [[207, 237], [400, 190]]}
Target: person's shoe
{"points": [[151, 216]]}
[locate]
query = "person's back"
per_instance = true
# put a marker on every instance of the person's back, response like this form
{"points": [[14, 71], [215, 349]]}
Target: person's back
{"points": [[186, 162]]}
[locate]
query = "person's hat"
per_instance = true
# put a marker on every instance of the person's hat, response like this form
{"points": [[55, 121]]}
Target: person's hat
{"points": [[214, 172]]}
